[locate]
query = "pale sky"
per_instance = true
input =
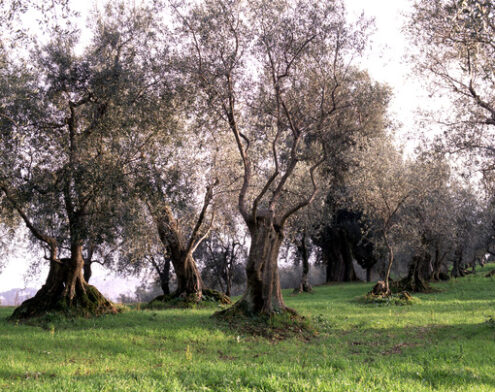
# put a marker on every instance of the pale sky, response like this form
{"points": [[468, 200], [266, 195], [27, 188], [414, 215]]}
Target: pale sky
{"points": [[385, 63]]}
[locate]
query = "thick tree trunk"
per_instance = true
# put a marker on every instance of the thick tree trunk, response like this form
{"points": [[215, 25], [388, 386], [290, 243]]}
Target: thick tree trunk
{"points": [[457, 270], [263, 295], [416, 279], [338, 254], [66, 290], [189, 282], [368, 274]]}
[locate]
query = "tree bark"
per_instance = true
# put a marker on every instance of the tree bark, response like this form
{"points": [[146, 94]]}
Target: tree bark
{"points": [[189, 282], [416, 279], [66, 290], [263, 294]]}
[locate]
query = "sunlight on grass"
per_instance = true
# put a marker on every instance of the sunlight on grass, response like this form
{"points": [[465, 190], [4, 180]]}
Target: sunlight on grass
{"points": [[444, 342]]}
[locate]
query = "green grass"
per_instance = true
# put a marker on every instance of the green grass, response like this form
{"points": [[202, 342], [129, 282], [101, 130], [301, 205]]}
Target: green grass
{"points": [[443, 342]]}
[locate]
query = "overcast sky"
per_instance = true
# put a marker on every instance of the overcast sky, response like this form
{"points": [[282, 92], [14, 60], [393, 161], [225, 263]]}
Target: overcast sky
{"points": [[385, 61]]}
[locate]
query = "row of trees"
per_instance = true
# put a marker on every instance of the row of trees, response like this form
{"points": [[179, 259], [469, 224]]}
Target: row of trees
{"points": [[158, 142]]}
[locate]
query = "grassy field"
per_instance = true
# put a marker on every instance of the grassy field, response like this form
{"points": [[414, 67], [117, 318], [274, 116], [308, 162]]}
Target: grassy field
{"points": [[445, 342]]}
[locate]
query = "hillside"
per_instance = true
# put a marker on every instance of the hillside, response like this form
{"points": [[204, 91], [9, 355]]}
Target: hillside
{"points": [[445, 342]]}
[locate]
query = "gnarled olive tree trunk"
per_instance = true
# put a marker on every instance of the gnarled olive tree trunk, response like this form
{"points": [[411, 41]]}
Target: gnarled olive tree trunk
{"points": [[189, 282], [188, 277], [263, 294], [66, 290]]}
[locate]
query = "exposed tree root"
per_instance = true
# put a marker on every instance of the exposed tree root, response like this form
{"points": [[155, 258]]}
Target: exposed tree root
{"points": [[86, 303], [183, 300]]}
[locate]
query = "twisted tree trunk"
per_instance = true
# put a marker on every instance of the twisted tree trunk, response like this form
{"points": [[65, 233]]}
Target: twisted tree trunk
{"points": [[263, 294], [189, 282], [190, 286], [67, 291]]}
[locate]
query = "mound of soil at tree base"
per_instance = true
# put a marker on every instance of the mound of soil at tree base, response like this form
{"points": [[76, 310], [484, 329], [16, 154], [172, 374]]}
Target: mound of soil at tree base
{"points": [[490, 274], [208, 296], [401, 298], [277, 326], [411, 285], [87, 303]]}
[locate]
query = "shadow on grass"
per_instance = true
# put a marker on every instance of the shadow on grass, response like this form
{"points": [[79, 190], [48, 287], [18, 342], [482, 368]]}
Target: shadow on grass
{"points": [[451, 378], [426, 354]]}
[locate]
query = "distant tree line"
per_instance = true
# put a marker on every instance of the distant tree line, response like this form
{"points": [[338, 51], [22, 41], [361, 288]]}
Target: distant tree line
{"points": [[199, 144]]}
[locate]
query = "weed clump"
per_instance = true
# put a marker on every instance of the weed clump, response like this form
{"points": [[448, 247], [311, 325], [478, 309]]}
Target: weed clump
{"points": [[399, 299], [276, 327]]}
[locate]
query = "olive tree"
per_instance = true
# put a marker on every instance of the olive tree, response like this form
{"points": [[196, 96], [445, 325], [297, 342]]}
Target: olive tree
{"points": [[278, 77], [68, 135], [455, 50]]}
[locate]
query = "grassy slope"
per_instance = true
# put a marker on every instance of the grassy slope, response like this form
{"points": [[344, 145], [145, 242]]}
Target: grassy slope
{"points": [[442, 343]]}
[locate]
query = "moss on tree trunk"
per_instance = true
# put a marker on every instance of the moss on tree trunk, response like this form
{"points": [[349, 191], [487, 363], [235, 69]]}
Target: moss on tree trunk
{"points": [[65, 291]]}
